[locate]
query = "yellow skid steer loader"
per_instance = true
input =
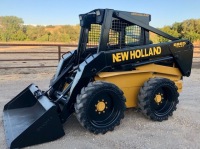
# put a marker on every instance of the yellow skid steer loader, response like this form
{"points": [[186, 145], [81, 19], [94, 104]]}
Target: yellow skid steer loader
{"points": [[114, 67]]}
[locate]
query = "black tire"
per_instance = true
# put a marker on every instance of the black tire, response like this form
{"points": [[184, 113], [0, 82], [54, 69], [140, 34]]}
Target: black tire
{"points": [[158, 98], [100, 107]]}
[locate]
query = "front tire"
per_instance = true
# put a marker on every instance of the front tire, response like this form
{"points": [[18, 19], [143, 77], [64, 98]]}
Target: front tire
{"points": [[158, 98], [100, 107]]}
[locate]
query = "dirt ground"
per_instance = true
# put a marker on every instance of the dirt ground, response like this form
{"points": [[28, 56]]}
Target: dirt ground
{"points": [[181, 131]]}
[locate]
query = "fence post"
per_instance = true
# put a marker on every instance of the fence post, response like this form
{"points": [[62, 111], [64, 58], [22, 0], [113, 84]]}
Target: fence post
{"points": [[59, 52]]}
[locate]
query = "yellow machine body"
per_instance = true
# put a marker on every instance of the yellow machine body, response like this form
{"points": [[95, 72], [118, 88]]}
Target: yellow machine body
{"points": [[130, 82]]}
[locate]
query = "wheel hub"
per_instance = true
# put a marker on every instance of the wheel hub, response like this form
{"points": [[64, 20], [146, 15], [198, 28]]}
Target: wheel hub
{"points": [[158, 98], [101, 106]]}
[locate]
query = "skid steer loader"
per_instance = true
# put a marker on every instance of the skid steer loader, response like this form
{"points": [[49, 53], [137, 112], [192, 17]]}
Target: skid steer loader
{"points": [[115, 67]]}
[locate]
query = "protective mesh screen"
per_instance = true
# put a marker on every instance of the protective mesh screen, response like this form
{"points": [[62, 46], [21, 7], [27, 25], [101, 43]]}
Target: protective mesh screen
{"points": [[94, 35], [121, 35]]}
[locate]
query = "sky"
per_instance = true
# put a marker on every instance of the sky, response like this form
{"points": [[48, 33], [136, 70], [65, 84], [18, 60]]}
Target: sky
{"points": [[63, 12]]}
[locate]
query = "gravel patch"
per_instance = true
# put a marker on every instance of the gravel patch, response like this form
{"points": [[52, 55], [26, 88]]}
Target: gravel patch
{"points": [[181, 131]]}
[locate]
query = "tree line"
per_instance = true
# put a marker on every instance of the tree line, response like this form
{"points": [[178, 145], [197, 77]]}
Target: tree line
{"points": [[13, 28], [188, 29]]}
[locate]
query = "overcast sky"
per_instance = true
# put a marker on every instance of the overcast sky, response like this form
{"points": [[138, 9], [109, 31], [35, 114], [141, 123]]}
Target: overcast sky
{"points": [[62, 12]]}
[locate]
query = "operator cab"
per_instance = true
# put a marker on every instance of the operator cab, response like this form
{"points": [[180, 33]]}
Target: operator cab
{"points": [[96, 28]]}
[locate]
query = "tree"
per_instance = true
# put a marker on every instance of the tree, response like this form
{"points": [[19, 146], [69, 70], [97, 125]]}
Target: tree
{"points": [[49, 33], [191, 29], [36, 33], [188, 29], [169, 30], [10, 25]]}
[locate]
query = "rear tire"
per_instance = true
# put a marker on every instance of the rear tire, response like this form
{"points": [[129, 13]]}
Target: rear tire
{"points": [[158, 98], [100, 107]]}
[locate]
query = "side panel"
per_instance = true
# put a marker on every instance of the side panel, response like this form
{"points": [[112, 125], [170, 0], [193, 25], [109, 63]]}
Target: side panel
{"points": [[180, 52], [130, 82]]}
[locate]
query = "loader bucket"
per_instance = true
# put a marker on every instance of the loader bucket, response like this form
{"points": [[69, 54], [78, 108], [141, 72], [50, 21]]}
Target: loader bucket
{"points": [[28, 121]]}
